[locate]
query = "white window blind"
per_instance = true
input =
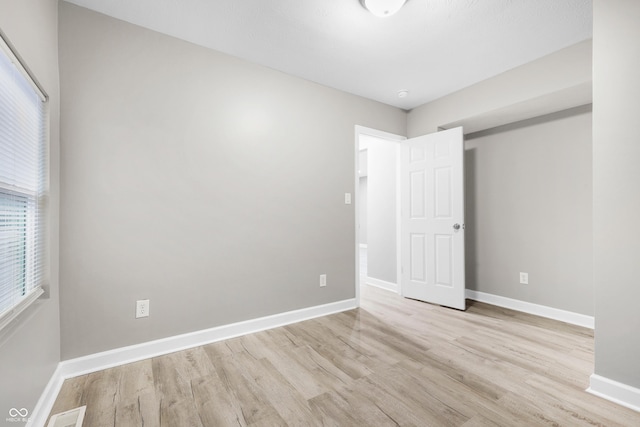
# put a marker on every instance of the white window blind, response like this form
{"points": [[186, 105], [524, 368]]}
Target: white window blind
{"points": [[23, 185]]}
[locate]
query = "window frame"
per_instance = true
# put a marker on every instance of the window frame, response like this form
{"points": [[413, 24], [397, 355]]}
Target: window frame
{"points": [[36, 203]]}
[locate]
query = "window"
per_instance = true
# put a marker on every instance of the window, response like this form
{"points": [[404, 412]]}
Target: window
{"points": [[23, 185]]}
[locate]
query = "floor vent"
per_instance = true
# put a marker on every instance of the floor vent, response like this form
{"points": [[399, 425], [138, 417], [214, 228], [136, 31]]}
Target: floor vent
{"points": [[71, 418]]}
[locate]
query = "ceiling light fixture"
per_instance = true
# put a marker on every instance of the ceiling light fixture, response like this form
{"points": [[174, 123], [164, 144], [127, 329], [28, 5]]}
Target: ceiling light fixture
{"points": [[383, 8]]}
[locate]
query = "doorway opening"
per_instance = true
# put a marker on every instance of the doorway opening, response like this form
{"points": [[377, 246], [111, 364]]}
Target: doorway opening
{"points": [[377, 209], [410, 215]]}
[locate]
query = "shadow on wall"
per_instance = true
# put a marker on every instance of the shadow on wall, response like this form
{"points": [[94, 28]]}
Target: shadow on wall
{"points": [[546, 118], [471, 263]]}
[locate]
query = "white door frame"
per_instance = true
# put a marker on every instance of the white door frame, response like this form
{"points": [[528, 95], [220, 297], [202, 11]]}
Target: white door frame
{"points": [[362, 130]]}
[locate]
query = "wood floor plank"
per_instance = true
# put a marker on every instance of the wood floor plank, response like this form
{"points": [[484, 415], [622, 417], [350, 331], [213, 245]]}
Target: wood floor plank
{"points": [[585, 407], [281, 337], [395, 339], [363, 409], [388, 402], [173, 378], [70, 395], [136, 379], [215, 404], [299, 373], [330, 410], [419, 400], [291, 406], [136, 404], [254, 404], [480, 374], [128, 413], [100, 396], [366, 343], [348, 359], [324, 370], [393, 361], [370, 344], [179, 412], [530, 361]]}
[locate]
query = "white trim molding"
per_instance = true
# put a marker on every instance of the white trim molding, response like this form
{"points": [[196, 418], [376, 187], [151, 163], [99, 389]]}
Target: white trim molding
{"points": [[615, 391], [363, 130], [121, 356], [47, 399], [381, 284], [527, 307], [377, 133], [7, 317]]}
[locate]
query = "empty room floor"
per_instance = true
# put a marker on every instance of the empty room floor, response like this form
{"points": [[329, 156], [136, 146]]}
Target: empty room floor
{"points": [[391, 362]]}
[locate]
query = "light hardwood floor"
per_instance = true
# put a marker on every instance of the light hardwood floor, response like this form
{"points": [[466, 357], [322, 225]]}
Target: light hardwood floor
{"points": [[392, 362]]}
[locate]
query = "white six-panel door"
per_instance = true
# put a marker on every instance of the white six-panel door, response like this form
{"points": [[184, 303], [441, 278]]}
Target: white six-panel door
{"points": [[432, 228]]}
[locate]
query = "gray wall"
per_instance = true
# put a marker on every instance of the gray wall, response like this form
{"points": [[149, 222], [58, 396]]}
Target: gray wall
{"points": [[30, 346], [191, 178], [528, 209], [616, 178], [381, 208], [506, 93], [525, 188]]}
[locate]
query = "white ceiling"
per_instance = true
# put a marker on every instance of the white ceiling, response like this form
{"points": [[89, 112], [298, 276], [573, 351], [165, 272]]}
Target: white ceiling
{"points": [[430, 48]]}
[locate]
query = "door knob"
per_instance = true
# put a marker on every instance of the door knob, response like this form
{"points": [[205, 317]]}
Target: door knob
{"points": [[458, 226]]}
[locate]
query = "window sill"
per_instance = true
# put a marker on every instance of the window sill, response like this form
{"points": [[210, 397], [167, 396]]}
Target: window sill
{"points": [[7, 317]]}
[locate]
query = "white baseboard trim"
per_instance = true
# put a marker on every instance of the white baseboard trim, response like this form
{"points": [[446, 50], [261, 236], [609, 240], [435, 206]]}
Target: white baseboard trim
{"points": [[121, 356], [47, 399], [617, 392], [538, 310], [381, 284]]}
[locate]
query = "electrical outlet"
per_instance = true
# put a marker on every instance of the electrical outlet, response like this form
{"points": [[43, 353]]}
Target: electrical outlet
{"points": [[524, 278], [142, 308], [323, 280], [347, 198]]}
